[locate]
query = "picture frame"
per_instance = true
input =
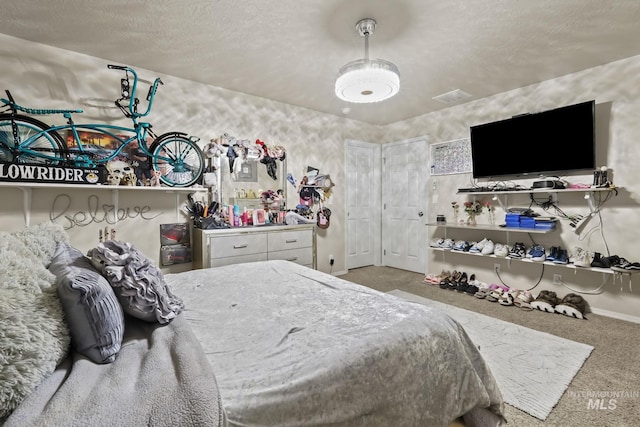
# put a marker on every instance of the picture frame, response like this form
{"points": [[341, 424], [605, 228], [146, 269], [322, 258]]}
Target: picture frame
{"points": [[248, 172]]}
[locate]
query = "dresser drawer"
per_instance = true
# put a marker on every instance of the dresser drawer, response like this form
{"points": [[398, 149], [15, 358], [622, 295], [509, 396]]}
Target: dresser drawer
{"points": [[236, 245], [302, 256], [285, 240], [219, 262]]}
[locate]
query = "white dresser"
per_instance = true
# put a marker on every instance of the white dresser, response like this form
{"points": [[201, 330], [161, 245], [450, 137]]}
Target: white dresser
{"points": [[214, 248]]}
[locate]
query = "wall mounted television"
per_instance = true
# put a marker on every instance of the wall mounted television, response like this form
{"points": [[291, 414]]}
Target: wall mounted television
{"points": [[550, 143]]}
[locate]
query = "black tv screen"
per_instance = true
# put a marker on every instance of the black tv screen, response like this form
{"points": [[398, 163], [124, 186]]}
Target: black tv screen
{"points": [[550, 143]]}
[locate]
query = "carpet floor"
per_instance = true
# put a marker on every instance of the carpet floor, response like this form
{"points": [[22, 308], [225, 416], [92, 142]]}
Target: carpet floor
{"points": [[605, 392], [532, 368]]}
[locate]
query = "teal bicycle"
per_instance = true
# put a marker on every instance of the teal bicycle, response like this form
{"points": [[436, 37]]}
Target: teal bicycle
{"points": [[174, 156]]}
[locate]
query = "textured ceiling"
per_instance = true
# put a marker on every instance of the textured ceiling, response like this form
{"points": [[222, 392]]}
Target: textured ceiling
{"points": [[291, 50]]}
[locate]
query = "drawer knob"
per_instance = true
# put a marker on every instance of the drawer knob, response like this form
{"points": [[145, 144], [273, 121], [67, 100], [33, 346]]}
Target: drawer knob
{"points": [[239, 246], [291, 241]]}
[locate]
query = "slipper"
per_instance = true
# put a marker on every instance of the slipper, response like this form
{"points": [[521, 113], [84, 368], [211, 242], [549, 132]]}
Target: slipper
{"points": [[494, 295], [440, 277], [523, 297], [545, 301], [506, 299], [444, 283], [567, 310], [428, 279], [526, 306], [463, 283], [453, 282], [572, 305], [482, 293]]}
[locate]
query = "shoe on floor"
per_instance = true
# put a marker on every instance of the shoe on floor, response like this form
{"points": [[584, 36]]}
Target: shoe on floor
{"points": [[545, 301], [572, 305]]}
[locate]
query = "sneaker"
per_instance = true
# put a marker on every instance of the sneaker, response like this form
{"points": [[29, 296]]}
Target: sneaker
{"points": [[477, 247], [488, 248], [459, 245], [624, 266], [562, 257], [581, 258], [553, 251], [501, 250], [518, 251], [436, 243], [536, 253], [447, 244]]}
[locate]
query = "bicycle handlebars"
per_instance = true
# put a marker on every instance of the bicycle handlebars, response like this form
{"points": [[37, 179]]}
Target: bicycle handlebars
{"points": [[131, 110]]}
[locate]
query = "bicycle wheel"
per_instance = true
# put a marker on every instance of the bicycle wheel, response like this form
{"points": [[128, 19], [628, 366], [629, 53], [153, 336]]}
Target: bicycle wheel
{"points": [[46, 148], [178, 160]]}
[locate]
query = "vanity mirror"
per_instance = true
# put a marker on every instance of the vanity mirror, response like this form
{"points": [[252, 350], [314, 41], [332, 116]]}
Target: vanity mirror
{"points": [[244, 170], [238, 189]]}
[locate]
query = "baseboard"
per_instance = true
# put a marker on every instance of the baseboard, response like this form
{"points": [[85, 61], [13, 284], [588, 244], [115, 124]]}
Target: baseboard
{"points": [[339, 273], [615, 315]]}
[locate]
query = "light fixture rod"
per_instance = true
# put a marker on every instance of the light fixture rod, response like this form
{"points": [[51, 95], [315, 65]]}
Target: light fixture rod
{"points": [[366, 47]]}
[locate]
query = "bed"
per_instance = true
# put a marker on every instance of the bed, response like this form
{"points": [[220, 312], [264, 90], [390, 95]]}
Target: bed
{"points": [[273, 343]]}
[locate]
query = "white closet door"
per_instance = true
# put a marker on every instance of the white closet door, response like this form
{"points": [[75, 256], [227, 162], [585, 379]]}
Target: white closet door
{"points": [[362, 162], [404, 209]]}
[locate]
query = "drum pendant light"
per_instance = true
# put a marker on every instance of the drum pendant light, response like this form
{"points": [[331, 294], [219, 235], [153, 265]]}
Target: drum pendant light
{"points": [[367, 80]]}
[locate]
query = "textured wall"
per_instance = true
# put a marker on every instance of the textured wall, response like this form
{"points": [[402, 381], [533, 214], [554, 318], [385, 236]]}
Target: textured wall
{"points": [[43, 77], [617, 94]]}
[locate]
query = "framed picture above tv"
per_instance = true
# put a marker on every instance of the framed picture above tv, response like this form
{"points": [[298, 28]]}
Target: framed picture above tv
{"points": [[550, 143]]}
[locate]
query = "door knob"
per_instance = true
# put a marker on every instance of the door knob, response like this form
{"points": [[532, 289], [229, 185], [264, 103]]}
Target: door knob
{"points": [[420, 213]]}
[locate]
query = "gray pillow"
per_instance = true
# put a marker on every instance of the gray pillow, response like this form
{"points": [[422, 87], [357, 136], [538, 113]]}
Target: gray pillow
{"points": [[93, 313]]}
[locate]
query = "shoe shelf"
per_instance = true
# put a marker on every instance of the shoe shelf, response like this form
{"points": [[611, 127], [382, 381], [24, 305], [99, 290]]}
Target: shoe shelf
{"points": [[491, 227], [544, 190], [527, 260]]}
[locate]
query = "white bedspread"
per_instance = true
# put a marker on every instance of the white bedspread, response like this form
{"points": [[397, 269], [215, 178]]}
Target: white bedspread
{"points": [[291, 346]]}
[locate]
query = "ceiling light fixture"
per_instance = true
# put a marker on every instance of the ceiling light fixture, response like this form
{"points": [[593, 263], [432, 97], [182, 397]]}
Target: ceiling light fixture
{"points": [[367, 80]]}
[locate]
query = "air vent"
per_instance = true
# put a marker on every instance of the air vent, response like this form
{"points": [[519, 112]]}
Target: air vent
{"points": [[452, 97]]}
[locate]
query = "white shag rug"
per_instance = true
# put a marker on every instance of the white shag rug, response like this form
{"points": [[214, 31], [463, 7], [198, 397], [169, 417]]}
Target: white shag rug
{"points": [[532, 368]]}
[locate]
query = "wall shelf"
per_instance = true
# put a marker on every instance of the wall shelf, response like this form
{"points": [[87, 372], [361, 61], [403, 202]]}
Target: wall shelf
{"points": [[543, 190], [527, 260], [490, 227], [589, 195]]}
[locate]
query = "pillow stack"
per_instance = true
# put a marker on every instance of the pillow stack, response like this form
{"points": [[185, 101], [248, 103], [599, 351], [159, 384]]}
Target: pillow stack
{"points": [[53, 297]]}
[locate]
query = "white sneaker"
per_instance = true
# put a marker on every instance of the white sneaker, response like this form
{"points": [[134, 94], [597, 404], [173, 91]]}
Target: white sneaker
{"points": [[436, 243], [581, 258], [488, 248], [501, 250], [477, 247], [447, 244]]}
